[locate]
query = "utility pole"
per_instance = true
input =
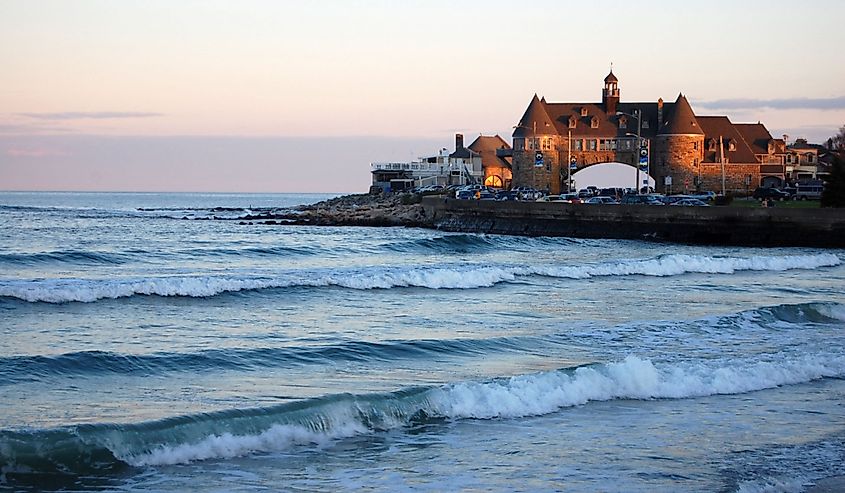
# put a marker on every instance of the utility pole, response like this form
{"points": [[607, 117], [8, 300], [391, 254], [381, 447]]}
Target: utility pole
{"points": [[722, 161]]}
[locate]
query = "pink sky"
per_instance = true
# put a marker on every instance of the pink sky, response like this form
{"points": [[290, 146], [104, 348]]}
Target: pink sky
{"points": [[301, 96]]}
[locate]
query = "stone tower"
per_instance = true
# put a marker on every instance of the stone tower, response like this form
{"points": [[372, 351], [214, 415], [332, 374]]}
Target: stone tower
{"points": [[678, 149], [536, 151]]}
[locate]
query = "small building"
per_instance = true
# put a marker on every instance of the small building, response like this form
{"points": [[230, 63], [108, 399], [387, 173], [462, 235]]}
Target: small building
{"points": [[463, 166], [495, 160], [802, 161]]}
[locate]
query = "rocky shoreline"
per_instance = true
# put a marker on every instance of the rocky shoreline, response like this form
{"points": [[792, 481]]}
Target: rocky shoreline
{"points": [[348, 210]]}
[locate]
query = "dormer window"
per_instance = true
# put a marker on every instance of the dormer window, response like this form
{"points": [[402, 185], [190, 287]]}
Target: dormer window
{"points": [[645, 123], [572, 121], [731, 145], [583, 111], [711, 145], [594, 122], [623, 121]]}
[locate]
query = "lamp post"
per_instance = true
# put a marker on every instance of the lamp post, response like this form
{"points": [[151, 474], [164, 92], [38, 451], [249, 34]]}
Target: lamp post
{"points": [[639, 137], [569, 161]]}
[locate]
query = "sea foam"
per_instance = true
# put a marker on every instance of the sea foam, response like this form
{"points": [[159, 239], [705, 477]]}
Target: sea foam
{"points": [[376, 277], [503, 398]]}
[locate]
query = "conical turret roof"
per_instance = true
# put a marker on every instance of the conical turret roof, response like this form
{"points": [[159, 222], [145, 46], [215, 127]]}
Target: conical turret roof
{"points": [[682, 120], [535, 121], [610, 77]]}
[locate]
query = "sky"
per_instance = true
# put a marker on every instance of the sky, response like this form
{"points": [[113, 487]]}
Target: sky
{"points": [[293, 96]]}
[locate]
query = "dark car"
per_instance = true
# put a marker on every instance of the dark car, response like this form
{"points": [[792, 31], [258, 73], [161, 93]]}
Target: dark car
{"points": [[770, 193], [641, 199]]}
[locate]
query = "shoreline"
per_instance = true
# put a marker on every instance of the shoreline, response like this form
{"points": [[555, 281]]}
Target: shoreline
{"points": [[717, 225]]}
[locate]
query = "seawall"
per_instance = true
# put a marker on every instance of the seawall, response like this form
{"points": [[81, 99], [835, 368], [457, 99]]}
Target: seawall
{"points": [[695, 225]]}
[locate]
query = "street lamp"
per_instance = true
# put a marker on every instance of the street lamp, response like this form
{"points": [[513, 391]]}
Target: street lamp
{"points": [[639, 137]]}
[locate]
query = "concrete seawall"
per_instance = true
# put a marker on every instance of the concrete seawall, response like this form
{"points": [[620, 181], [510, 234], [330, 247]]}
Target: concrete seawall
{"points": [[696, 225]]}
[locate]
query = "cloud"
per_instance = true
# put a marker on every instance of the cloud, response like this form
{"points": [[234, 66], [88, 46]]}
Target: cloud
{"points": [[34, 152], [837, 103], [90, 115]]}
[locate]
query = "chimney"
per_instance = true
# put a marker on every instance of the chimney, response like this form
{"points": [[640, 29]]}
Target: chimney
{"points": [[459, 142], [660, 113]]}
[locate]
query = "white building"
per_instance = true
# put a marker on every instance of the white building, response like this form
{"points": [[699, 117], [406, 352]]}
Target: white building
{"points": [[461, 167]]}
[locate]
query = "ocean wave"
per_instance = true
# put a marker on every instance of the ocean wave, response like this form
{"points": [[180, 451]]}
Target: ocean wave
{"points": [[240, 432], [15, 369], [66, 256], [457, 277]]}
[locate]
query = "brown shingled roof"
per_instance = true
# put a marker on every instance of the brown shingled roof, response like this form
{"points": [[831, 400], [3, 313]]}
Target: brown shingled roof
{"points": [[535, 121], [610, 77], [756, 135], [681, 121], [486, 146], [720, 126]]}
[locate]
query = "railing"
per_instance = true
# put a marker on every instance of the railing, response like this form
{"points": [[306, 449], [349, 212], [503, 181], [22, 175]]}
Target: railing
{"points": [[404, 166]]}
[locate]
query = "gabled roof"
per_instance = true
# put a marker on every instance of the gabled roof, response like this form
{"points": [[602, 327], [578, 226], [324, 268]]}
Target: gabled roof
{"points": [[535, 121], [608, 124], [681, 121], [486, 146], [720, 126], [756, 135]]}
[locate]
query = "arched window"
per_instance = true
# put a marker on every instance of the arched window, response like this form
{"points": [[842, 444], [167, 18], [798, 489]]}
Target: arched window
{"points": [[494, 181], [594, 122]]}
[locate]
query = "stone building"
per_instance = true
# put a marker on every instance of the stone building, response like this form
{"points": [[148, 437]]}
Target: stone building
{"points": [[679, 150]]}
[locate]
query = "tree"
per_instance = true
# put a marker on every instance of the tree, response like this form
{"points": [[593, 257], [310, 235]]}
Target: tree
{"points": [[837, 142], [833, 194]]}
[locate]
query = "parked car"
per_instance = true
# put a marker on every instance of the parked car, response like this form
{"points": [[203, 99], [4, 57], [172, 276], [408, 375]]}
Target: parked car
{"points": [[690, 202], [770, 193], [704, 196], [640, 199], [601, 200]]}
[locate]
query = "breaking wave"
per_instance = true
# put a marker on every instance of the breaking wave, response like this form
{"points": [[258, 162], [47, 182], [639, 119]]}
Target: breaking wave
{"points": [[101, 448], [463, 277]]}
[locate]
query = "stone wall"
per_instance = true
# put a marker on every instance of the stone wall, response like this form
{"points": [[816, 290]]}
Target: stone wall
{"points": [[698, 225], [735, 178], [678, 156]]}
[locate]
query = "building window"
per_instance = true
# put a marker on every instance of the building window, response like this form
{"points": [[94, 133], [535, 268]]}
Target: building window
{"points": [[572, 121], [591, 144], [731, 145], [607, 144], [695, 145], [547, 144], [645, 123], [583, 111], [594, 122], [519, 144], [577, 145]]}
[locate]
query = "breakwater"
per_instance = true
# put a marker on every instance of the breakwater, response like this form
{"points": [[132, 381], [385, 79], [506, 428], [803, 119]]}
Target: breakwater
{"points": [[694, 225]]}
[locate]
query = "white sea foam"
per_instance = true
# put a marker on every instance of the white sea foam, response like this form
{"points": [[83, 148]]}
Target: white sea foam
{"points": [[633, 378], [67, 290], [227, 445], [836, 312], [515, 397]]}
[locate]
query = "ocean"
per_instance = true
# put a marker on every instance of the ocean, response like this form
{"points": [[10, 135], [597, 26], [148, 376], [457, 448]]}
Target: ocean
{"points": [[147, 346]]}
